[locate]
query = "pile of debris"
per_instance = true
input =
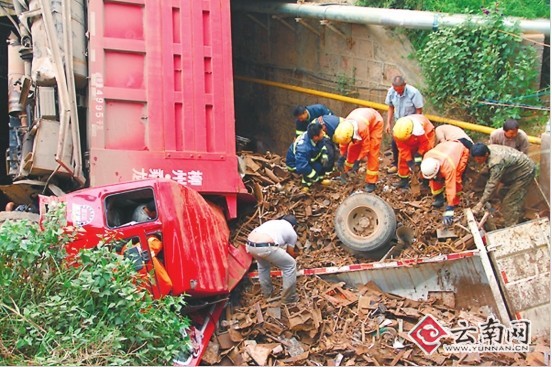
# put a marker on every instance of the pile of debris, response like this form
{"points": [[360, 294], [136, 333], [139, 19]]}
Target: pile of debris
{"points": [[278, 192], [333, 324]]}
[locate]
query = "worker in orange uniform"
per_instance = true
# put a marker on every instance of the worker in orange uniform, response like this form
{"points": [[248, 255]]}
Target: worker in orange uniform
{"points": [[163, 281], [415, 135], [359, 138], [444, 166]]}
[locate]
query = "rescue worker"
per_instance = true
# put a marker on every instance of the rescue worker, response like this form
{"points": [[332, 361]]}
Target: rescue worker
{"points": [[329, 124], [508, 166], [273, 243], [308, 156], [444, 166], [359, 138], [415, 136], [451, 133], [145, 212], [511, 135], [163, 281], [305, 114], [403, 100]]}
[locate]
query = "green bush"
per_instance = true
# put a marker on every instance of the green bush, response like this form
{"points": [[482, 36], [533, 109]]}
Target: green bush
{"points": [[96, 313], [468, 66]]}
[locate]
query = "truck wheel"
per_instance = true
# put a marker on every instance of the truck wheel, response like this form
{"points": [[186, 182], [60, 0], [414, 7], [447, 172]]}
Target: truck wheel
{"points": [[31, 217], [366, 225]]}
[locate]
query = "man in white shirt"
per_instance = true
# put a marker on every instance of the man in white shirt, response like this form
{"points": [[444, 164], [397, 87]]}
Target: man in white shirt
{"points": [[273, 243], [403, 100]]}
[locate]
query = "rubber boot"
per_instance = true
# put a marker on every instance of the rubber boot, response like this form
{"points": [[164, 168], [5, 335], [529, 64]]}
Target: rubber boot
{"points": [[439, 201], [370, 187], [402, 184]]}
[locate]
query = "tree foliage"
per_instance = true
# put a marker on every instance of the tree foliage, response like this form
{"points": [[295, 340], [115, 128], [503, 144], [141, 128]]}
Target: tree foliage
{"points": [[468, 66], [53, 313]]}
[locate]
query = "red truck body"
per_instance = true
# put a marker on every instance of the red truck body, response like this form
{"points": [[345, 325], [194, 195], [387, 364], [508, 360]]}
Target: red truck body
{"points": [[197, 253], [161, 95]]}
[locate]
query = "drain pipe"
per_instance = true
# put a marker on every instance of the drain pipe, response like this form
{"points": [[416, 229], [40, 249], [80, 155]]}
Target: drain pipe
{"points": [[378, 106], [385, 17]]}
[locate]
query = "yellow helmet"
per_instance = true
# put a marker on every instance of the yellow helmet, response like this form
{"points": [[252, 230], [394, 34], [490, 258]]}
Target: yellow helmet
{"points": [[430, 167], [403, 128], [344, 132]]}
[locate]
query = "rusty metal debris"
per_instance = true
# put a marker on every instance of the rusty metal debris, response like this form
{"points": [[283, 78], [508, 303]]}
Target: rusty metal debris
{"points": [[350, 327], [333, 324]]}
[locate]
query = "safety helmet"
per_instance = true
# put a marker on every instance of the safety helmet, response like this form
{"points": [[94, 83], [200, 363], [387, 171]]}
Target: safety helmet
{"points": [[403, 128], [344, 132], [430, 167]]}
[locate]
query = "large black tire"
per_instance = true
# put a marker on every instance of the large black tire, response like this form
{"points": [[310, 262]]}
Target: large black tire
{"points": [[366, 225], [14, 216]]}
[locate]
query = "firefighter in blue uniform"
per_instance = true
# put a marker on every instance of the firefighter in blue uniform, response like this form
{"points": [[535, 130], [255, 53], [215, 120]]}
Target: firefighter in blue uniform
{"points": [[308, 156], [305, 114]]}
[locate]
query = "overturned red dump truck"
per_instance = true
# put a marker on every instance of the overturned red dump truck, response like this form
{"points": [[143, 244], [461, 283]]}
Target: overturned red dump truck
{"points": [[113, 104]]}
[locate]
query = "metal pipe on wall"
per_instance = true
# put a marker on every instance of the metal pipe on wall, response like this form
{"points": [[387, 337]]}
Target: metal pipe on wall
{"points": [[385, 17], [378, 106]]}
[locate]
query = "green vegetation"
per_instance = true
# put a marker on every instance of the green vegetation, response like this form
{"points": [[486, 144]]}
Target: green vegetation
{"points": [[481, 73], [345, 84], [475, 69], [53, 313], [515, 8]]}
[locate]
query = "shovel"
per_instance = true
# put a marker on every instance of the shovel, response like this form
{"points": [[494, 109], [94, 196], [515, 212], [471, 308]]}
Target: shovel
{"points": [[415, 184]]}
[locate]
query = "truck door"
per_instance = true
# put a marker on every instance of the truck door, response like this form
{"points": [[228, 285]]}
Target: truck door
{"points": [[146, 255]]}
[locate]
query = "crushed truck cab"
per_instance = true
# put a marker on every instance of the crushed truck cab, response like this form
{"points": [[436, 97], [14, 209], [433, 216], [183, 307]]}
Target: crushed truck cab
{"points": [[196, 254]]}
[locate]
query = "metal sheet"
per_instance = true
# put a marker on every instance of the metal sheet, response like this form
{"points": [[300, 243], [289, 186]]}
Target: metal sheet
{"points": [[521, 257], [465, 277]]}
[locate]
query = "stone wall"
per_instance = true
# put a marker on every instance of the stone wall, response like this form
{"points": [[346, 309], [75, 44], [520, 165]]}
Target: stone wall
{"points": [[354, 60]]}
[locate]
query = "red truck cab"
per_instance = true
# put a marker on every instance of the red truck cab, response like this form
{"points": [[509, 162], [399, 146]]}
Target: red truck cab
{"points": [[197, 254]]}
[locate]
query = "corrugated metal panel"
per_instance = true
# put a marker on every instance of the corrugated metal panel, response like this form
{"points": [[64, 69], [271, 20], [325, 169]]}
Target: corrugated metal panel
{"points": [[161, 93], [521, 256]]}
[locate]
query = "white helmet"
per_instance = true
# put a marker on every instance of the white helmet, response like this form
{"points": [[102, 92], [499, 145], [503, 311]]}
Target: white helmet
{"points": [[430, 167]]}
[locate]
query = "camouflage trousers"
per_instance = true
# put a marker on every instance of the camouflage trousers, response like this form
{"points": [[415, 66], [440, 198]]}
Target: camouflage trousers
{"points": [[512, 204]]}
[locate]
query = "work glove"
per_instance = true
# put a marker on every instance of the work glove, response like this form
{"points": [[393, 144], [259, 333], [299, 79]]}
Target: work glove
{"points": [[324, 160], [341, 163], [356, 165], [477, 208], [448, 216]]}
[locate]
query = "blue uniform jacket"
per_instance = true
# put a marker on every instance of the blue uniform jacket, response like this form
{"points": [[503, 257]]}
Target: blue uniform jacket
{"points": [[330, 121], [301, 155], [314, 110]]}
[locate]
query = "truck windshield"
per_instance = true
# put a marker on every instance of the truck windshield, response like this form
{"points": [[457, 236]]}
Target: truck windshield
{"points": [[130, 207]]}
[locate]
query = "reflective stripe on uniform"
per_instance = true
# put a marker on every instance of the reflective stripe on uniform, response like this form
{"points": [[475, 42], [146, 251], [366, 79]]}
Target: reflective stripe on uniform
{"points": [[418, 159], [449, 213], [371, 173], [312, 174], [349, 164], [437, 192]]}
